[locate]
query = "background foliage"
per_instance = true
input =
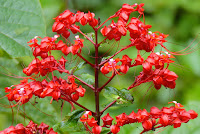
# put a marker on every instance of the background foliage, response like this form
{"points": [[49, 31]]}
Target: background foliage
{"points": [[21, 20]]}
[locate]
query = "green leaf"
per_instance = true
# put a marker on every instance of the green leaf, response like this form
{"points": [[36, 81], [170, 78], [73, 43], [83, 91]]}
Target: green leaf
{"points": [[78, 67], [74, 116], [114, 93], [125, 95], [89, 79], [71, 124], [20, 21], [107, 130]]}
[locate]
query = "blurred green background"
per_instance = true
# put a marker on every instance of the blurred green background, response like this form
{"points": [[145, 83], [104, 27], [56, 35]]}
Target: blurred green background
{"points": [[21, 20]]}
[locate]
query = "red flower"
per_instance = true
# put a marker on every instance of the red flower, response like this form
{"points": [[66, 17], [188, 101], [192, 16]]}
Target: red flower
{"points": [[110, 66], [58, 27], [166, 110], [105, 31], [128, 8], [184, 116], [121, 119], [96, 129], [107, 120], [114, 129], [85, 116], [155, 112], [138, 60], [92, 122], [164, 120], [60, 45], [139, 8], [177, 123], [147, 67], [193, 114], [81, 91], [51, 131], [148, 124], [43, 128], [142, 115], [132, 117]]}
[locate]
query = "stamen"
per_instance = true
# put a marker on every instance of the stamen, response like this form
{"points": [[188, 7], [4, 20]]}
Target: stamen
{"points": [[111, 60], [56, 36], [77, 37], [174, 102], [21, 91], [158, 53], [150, 32], [35, 37]]}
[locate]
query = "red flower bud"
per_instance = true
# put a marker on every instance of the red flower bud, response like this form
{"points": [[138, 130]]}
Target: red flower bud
{"points": [[105, 31], [114, 129], [107, 120], [164, 120], [58, 27], [155, 112], [132, 117], [177, 123], [193, 114], [148, 124], [96, 129], [66, 34]]}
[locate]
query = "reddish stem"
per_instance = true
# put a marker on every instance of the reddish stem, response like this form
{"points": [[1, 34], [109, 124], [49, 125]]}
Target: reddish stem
{"points": [[130, 45], [106, 21], [148, 130], [90, 86], [97, 78], [113, 75], [103, 41], [87, 128], [85, 60], [83, 34], [109, 105], [64, 98], [81, 106]]}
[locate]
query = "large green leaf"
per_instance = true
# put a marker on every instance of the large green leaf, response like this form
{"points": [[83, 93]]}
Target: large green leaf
{"points": [[88, 78], [71, 124], [114, 93], [20, 21], [80, 66]]}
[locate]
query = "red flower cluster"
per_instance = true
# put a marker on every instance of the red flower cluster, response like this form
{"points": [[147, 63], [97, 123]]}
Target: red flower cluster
{"points": [[144, 39], [159, 75], [31, 128], [156, 118], [67, 20], [48, 63], [20, 93], [57, 89], [74, 49], [47, 44], [140, 36], [116, 30], [44, 66], [155, 69]]}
